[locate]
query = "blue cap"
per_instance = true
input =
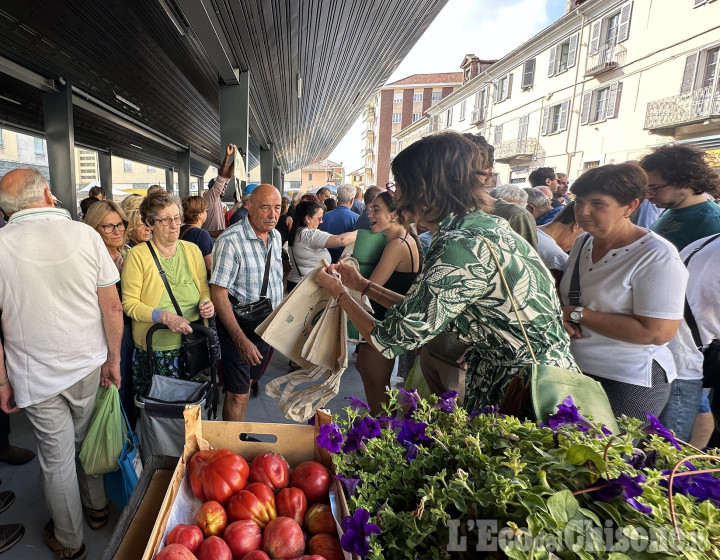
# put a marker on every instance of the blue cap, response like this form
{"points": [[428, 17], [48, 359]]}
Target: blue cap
{"points": [[250, 188]]}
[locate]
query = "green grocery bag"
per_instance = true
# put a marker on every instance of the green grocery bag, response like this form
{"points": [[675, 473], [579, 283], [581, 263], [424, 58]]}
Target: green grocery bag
{"points": [[105, 437], [367, 251]]}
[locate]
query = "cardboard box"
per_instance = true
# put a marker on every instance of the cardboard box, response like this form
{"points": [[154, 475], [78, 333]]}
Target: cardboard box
{"points": [[295, 442]]}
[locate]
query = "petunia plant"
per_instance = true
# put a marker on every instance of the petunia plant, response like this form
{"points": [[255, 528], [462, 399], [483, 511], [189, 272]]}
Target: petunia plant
{"points": [[427, 479]]}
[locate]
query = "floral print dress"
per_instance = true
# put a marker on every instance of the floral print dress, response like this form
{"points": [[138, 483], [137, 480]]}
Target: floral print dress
{"points": [[461, 291]]}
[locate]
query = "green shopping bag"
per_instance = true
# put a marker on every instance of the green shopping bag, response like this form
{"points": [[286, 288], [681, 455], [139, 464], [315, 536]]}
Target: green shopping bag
{"points": [[367, 251], [416, 380], [105, 437]]}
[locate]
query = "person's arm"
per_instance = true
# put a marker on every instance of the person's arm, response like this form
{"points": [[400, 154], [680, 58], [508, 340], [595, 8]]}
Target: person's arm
{"points": [[227, 169], [247, 350], [634, 329], [112, 318], [341, 240], [7, 395], [208, 262], [392, 256], [351, 278]]}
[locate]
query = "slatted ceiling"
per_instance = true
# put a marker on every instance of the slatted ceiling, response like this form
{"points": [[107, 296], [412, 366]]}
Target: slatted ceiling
{"points": [[343, 50]]}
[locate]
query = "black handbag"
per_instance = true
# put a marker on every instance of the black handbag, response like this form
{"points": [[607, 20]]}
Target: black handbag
{"points": [[250, 315], [711, 354], [195, 356]]}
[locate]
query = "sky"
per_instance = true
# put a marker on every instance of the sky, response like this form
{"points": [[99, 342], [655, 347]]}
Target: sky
{"points": [[486, 28]]}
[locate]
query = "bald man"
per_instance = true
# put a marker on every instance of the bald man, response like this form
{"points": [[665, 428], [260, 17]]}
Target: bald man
{"points": [[239, 262]]}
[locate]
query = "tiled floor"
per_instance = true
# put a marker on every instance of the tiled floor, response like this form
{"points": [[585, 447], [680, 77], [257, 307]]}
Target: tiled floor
{"points": [[29, 507]]}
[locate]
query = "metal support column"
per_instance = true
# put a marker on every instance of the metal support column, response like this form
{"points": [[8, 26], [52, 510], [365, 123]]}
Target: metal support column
{"points": [[234, 119], [200, 186], [267, 159], [58, 112], [169, 181], [278, 179], [184, 173], [106, 181]]}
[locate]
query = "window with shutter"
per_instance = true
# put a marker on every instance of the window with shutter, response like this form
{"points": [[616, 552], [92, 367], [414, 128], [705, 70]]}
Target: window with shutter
{"points": [[523, 128], [595, 38], [613, 104], [688, 77], [528, 76], [553, 57], [572, 51], [545, 120], [563, 119], [463, 107], [585, 107], [496, 91], [509, 86], [624, 25], [497, 140]]}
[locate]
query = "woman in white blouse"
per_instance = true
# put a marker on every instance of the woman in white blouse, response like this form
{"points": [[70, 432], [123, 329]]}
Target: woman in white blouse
{"points": [[307, 244], [632, 291]]}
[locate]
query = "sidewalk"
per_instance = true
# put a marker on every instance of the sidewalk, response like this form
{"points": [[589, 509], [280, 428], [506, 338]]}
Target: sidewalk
{"points": [[29, 507]]}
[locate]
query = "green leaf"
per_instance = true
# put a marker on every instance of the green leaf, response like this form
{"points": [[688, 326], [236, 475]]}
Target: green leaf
{"points": [[563, 506], [580, 454], [610, 511], [618, 556]]}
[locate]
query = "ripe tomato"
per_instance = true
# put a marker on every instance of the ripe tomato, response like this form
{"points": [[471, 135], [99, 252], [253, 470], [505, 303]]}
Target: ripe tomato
{"points": [[217, 474], [291, 502], [313, 479]]}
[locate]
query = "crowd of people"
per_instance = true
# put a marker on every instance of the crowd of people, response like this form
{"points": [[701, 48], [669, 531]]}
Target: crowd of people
{"points": [[478, 280]]}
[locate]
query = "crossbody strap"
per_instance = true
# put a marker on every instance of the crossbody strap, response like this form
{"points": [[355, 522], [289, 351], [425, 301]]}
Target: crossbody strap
{"points": [[511, 298], [574, 291], [266, 276], [689, 317], [164, 279]]}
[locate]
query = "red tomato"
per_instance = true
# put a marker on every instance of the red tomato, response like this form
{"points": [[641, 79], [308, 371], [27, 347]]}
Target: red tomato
{"points": [[326, 546], [256, 502], [217, 474], [270, 468], [291, 502], [313, 479]]}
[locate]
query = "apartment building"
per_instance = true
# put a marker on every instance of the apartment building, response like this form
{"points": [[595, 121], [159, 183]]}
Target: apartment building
{"points": [[605, 83], [320, 174], [394, 107]]}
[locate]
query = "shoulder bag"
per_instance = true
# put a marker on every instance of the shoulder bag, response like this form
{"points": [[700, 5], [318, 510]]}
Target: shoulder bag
{"points": [[250, 315], [711, 354], [539, 396], [195, 355]]}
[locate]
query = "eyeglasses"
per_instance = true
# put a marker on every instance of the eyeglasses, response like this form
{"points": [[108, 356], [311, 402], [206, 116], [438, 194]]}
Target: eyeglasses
{"points": [[390, 188], [167, 221], [109, 228]]}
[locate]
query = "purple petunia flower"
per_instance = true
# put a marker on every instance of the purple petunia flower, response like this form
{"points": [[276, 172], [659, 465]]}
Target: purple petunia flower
{"points": [[311, 420], [488, 409], [350, 483], [641, 460], [657, 428], [703, 486], [625, 486], [362, 429], [356, 404], [568, 414], [356, 532], [388, 422], [409, 398], [447, 402], [330, 437], [353, 442], [411, 435]]}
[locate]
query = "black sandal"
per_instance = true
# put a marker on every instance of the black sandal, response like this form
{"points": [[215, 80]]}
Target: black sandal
{"points": [[96, 518]]}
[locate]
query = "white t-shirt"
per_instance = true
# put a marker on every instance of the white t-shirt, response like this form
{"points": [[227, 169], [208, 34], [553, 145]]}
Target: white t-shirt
{"points": [[550, 252], [645, 278], [51, 320], [703, 295], [308, 250]]}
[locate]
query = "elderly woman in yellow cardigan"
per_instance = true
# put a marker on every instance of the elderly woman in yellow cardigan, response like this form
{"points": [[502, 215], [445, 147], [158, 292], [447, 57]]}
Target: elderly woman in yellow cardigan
{"points": [[145, 299]]}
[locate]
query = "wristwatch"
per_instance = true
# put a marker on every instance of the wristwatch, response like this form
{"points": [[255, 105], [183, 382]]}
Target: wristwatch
{"points": [[576, 314]]}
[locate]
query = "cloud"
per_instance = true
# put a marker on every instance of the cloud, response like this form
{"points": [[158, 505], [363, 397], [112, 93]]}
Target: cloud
{"points": [[486, 28]]}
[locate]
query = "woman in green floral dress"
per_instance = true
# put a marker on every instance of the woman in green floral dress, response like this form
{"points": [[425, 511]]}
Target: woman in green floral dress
{"points": [[440, 184]]}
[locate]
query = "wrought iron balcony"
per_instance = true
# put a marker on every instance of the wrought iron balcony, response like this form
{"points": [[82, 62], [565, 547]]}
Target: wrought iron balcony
{"points": [[683, 109], [607, 58], [520, 149]]}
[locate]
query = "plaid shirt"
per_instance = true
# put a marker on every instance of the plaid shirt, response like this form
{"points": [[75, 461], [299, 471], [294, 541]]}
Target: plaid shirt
{"points": [[239, 263]]}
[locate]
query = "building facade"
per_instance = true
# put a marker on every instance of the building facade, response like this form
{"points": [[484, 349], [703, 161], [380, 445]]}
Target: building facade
{"points": [[320, 174], [605, 83], [394, 107]]}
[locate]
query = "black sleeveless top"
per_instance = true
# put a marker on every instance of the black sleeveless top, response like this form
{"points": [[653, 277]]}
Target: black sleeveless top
{"points": [[399, 282]]}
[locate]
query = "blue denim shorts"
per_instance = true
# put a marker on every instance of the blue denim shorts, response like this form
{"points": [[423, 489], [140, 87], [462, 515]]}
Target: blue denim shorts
{"points": [[704, 401]]}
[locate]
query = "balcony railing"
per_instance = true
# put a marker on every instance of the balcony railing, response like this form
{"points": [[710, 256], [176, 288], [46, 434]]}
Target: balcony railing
{"points": [[368, 134], [433, 126], [682, 109], [518, 149], [609, 56]]}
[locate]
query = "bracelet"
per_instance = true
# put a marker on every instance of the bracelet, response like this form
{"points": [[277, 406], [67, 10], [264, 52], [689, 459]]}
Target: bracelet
{"points": [[337, 299], [7, 380], [370, 283]]}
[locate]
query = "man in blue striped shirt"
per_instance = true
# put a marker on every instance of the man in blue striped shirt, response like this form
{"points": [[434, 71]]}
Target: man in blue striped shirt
{"points": [[239, 258]]}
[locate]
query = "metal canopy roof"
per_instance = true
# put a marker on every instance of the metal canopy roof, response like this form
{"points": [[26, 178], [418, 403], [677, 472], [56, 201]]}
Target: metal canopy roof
{"points": [[147, 72]]}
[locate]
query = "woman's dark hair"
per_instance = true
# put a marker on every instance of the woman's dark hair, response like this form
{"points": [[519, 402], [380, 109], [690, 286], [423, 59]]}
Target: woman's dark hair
{"points": [[155, 202], [311, 197], [439, 175], [389, 201], [192, 207], [683, 166], [330, 204], [304, 209], [566, 216], [624, 182]]}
